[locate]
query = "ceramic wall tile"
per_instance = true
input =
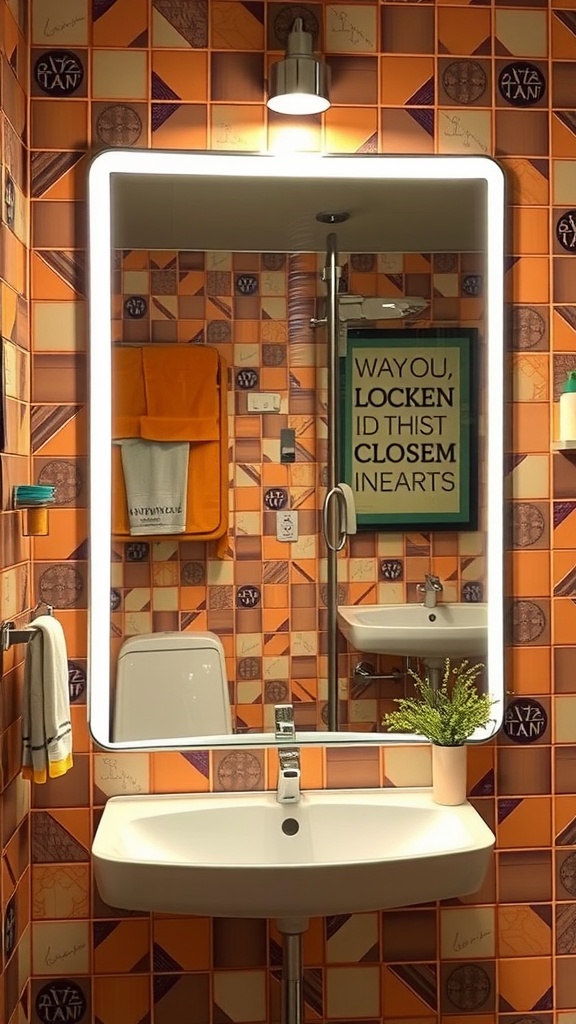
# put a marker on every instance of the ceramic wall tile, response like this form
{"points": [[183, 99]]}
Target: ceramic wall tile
{"points": [[121, 23], [118, 997], [60, 948], [353, 938], [526, 982], [239, 943], [522, 33], [351, 28], [352, 991], [463, 31], [525, 931], [121, 773], [121, 946], [236, 76], [523, 822], [179, 75], [119, 75], [179, 25], [60, 891], [59, 22], [408, 131], [241, 995], [50, 130], [410, 990], [407, 30], [464, 131]]}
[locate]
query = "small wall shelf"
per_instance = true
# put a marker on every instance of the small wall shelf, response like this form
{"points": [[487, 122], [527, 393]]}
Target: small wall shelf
{"points": [[564, 446]]}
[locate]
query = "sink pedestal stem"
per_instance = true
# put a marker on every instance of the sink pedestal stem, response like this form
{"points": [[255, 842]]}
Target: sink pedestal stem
{"points": [[434, 671], [292, 994]]}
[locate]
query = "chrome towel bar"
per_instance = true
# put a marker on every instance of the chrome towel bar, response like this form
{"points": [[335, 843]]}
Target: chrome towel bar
{"points": [[9, 635]]}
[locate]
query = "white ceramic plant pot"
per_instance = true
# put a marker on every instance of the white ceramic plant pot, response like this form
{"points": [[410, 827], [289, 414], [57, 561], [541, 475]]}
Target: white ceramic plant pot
{"points": [[449, 774]]}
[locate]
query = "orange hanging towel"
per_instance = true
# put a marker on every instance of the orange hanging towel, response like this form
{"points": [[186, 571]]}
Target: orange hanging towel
{"points": [[175, 393], [128, 394], [181, 383]]}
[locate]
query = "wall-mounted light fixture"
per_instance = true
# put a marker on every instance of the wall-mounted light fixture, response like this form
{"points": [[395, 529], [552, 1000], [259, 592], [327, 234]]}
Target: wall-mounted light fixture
{"points": [[300, 83]]}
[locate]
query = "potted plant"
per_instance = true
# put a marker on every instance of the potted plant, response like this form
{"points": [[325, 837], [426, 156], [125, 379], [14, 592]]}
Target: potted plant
{"points": [[447, 715]]}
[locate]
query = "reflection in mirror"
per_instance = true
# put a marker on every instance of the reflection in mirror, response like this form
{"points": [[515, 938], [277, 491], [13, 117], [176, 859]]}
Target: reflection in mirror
{"points": [[206, 277]]}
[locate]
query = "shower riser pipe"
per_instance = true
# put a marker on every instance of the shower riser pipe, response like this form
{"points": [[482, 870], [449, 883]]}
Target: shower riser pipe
{"points": [[331, 275]]}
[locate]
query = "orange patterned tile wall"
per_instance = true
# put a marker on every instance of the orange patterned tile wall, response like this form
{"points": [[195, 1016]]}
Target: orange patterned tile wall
{"points": [[268, 607], [495, 79], [15, 593]]}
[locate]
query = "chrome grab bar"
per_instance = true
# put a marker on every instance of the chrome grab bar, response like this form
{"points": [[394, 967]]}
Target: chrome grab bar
{"points": [[337, 543]]}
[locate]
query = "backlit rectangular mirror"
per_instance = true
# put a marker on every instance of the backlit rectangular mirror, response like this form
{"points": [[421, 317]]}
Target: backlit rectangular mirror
{"points": [[220, 285]]}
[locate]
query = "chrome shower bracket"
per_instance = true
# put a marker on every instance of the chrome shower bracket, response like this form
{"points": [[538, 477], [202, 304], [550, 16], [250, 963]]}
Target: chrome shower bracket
{"points": [[328, 272]]}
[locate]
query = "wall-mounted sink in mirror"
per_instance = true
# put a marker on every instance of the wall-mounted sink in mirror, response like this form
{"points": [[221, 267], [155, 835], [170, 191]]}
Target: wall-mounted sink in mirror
{"points": [[220, 256], [414, 631]]}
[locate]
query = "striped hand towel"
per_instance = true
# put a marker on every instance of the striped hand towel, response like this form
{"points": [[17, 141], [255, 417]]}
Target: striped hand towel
{"points": [[46, 726]]}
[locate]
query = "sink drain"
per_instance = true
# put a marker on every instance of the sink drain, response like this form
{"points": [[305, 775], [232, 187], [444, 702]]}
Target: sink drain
{"points": [[290, 826]]}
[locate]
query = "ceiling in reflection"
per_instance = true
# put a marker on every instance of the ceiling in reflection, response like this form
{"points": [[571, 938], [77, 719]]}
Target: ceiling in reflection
{"points": [[270, 215]]}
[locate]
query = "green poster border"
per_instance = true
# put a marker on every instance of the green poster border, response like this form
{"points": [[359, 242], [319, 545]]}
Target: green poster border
{"points": [[425, 339]]}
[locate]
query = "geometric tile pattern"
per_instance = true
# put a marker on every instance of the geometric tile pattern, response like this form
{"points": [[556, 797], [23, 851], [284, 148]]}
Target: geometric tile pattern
{"points": [[407, 78], [160, 586], [15, 593]]}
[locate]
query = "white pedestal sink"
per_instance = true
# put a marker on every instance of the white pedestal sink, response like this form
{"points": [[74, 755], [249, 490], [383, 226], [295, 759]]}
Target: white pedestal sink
{"points": [[246, 855], [411, 630]]}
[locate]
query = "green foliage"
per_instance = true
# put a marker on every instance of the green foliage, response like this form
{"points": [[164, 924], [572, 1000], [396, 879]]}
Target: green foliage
{"points": [[446, 715]]}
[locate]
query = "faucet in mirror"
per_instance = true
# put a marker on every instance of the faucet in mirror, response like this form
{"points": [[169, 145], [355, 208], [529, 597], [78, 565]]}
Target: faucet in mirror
{"points": [[431, 587], [216, 389], [288, 791]]}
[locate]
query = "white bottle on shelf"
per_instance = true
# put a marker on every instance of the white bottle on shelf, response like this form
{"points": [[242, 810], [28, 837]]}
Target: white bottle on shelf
{"points": [[568, 409]]}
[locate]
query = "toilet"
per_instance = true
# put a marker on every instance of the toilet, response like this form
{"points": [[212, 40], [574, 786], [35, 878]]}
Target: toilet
{"points": [[170, 685]]}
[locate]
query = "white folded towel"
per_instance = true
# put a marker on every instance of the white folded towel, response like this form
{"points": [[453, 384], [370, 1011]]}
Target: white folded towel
{"points": [[46, 725], [156, 478]]}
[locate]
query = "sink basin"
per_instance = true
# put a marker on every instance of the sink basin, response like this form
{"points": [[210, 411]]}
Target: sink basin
{"points": [[246, 855], [446, 631]]}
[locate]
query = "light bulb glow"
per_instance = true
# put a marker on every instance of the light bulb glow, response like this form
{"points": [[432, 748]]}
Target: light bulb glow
{"points": [[295, 103]]}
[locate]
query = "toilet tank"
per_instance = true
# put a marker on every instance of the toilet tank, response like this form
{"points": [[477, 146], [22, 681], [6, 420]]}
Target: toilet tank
{"points": [[170, 685]]}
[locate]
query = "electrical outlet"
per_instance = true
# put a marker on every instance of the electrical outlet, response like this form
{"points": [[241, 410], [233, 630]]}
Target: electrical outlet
{"points": [[287, 525]]}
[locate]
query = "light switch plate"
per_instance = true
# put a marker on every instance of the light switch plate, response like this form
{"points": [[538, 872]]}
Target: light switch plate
{"points": [[262, 401]]}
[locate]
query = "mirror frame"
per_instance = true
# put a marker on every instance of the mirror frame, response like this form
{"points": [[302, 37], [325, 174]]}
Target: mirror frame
{"points": [[313, 167]]}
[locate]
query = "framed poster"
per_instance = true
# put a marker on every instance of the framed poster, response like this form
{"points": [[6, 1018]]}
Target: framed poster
{"points": [[409, 447]]}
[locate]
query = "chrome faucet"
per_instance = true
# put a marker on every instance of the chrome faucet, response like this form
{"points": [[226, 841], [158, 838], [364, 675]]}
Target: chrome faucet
{"points": [[288, 791], [431, 587]]}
